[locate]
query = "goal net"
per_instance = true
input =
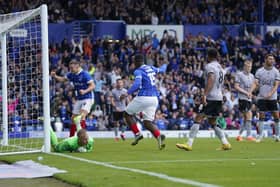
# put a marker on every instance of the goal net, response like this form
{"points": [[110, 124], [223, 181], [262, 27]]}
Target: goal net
{"points": [[24, 113]]}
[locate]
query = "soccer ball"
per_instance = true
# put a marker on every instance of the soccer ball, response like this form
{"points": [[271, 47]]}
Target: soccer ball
{"points": [[82, 150], [40, 158]]}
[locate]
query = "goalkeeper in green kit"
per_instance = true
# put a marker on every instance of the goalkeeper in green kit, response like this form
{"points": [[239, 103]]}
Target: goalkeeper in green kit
{"points": [[79, 143]]}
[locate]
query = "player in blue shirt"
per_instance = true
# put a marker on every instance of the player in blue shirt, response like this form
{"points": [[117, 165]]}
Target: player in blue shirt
{"points": [[146, 100], [83, 86]]}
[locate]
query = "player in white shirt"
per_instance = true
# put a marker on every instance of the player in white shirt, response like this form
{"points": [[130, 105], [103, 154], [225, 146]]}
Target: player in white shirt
{"points": [[245, 85], [268, 78], [212, 101], [119, 107]]}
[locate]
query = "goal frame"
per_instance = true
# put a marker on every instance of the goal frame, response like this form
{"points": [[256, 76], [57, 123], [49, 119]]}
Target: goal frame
{"points": [[43, 12]]}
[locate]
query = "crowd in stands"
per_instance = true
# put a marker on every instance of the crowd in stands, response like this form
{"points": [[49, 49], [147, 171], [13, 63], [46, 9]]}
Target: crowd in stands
{"points": [[153, 12], [180, 88], [25, 95]]}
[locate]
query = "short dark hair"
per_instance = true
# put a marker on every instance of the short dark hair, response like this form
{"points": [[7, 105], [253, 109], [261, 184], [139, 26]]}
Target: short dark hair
{"points": [[139, 58], [268, 55], [212, 53], [74, 61]]}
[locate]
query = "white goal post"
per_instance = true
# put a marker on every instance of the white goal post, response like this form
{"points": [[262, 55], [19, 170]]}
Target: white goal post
{"points": [[25, 111]]}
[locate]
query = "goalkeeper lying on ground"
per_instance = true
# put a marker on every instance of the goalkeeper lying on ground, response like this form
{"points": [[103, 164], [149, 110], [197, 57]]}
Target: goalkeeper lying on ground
{"points": [[80, 143]]}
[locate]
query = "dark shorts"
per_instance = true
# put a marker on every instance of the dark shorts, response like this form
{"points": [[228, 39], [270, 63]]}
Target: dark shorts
{"points": [[267, 105], [117, 116], [244, 105], [196, 108], [213, 108]]}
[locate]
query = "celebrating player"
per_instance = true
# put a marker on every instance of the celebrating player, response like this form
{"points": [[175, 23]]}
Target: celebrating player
{"points": [[212, 100], [146, 100], [118, 108], [245, 85], [80, 143], [84, 86], [268, 78]]}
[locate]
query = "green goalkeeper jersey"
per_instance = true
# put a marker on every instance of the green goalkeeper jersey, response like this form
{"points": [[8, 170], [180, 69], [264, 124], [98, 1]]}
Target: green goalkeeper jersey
{"points": [[69, 144]]}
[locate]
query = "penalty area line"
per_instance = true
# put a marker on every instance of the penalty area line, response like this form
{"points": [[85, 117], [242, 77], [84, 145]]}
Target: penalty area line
{"points": [[149, 173]]}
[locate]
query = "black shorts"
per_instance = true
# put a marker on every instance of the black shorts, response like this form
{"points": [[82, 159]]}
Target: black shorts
{"points": [[117, 116], [244, 105], [198, 108], [267, 105], [213, 108]]}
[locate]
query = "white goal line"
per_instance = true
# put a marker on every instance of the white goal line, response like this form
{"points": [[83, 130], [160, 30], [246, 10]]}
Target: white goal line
{"points": [[149, 173]]}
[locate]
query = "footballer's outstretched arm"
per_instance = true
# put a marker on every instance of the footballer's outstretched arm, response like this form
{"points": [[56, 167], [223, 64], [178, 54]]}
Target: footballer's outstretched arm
{"points": [[58, 78], [163, 68]]}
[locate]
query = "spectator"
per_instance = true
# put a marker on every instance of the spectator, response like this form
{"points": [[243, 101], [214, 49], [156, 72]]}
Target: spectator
{"points": [[112, 60], [154, 19], [155, 12], [87, 48]]}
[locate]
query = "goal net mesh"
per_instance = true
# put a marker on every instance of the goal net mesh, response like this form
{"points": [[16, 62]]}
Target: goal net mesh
{"points": [[24, 81]]}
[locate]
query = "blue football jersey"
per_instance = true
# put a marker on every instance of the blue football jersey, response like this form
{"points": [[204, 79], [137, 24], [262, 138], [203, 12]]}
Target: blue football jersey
{"points": [[146, 76], [81, 81]]}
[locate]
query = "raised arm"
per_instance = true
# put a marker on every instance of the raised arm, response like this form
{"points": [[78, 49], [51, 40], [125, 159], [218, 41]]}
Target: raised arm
{"points": [[162, 69], [58, 78]]}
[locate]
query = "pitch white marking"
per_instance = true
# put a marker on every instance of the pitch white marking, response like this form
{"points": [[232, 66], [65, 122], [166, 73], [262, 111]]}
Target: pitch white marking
{"points": [[202, 160], [149, 173]]}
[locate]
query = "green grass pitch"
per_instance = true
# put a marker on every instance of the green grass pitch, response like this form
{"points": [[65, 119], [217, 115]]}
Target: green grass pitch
{"points": [[247, 164]]}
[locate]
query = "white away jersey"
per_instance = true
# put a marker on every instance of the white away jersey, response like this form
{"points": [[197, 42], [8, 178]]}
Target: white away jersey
{"points": [[266, 79], [245, 81], [121, 104], [215, 93]]}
